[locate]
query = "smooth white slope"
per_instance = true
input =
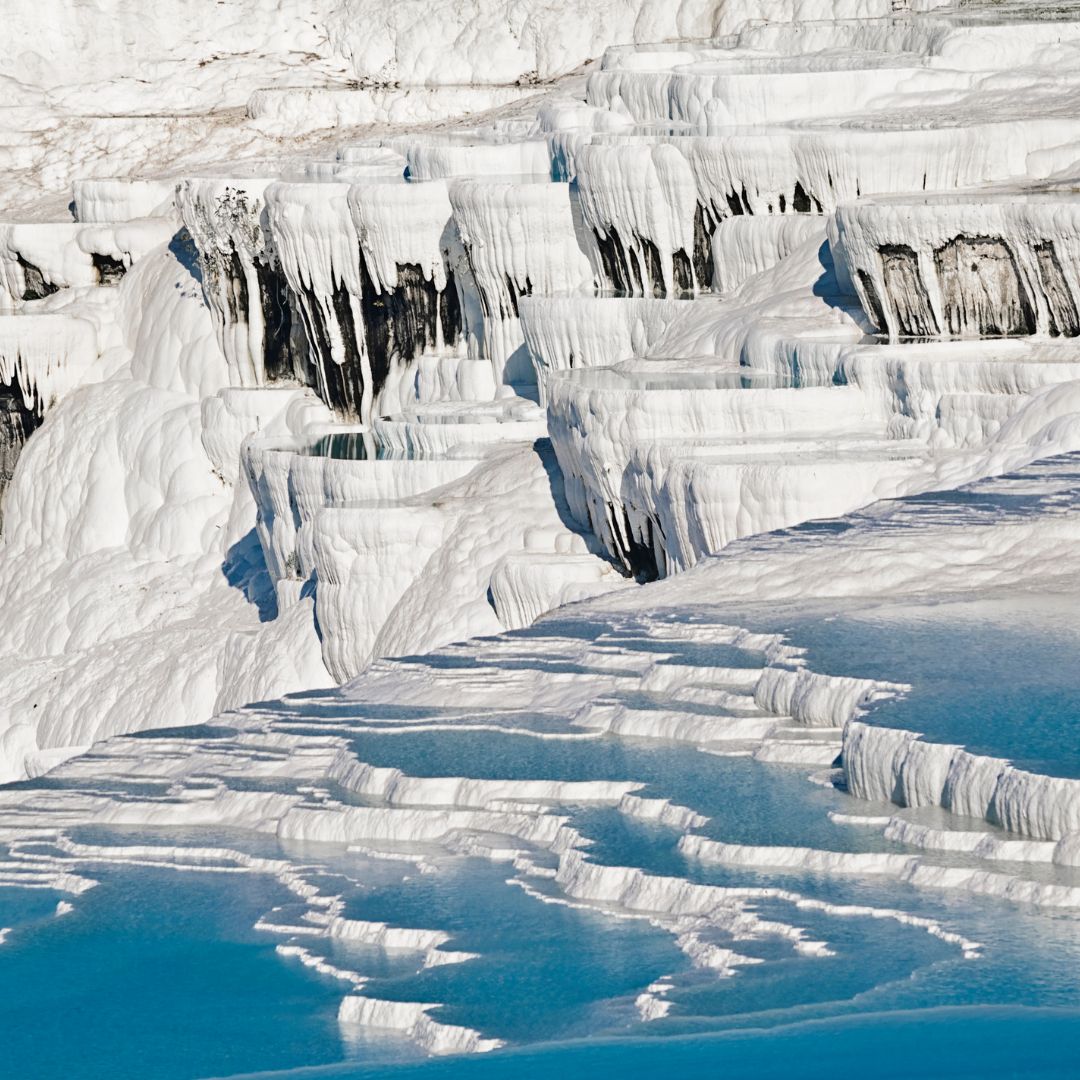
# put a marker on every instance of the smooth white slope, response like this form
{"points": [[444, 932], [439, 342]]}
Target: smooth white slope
{"points": [[117, 515]]}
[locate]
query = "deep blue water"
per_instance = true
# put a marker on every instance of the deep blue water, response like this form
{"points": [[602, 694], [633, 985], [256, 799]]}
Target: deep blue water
{"points": [[155, 974], [947, 1043], [159, 974]]}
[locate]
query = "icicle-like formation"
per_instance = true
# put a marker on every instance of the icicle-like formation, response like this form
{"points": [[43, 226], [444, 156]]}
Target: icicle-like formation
{"points": [[16, 425], [965, 266], [366, 558], [688, 502], [380, 278], [526, 585], [241, 279], [921, 382], [521, 239], [317, 245], [42, 357], [618, 431], [653, 203], [745, 246], [292, 479], [640, 202], [564, 332], [417, 298], [403, 225], [662, 495]]}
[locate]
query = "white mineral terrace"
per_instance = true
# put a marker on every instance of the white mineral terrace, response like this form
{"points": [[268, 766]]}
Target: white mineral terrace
{"points": [[378, 381], [122, 199], [999, 264], [39, 258]]}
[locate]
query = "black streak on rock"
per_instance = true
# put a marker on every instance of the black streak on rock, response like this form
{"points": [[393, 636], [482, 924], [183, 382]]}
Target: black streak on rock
{"points": [[637, 555], [871, 302], [280, 358], [800, 201], [397, 325], [683, 272], [1063, 316], [616, 265], [17, 423], [654, 268], [35, 287], [704, 227], [403, 323], [639, 270], [340, 385], [109, 271]]}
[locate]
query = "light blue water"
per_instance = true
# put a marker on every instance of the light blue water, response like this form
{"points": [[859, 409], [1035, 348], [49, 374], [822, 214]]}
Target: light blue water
{"points": [[747, 802], [545, 970], [161, 974], [998, 673]]}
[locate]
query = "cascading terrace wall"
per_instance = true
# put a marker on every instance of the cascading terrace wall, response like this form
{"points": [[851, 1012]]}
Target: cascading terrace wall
{"points": [[382, 294]]}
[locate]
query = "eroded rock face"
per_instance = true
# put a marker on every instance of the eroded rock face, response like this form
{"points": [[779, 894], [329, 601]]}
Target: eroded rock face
{"points": [[637, 548], [632, 268], [871, 301], [330, 328], [965, 266], [375, 332], [982, 293], [284, 344], [401, 324], [17, 423], [1064, 320], [109, 271], [906, 290], [704, 227], [637, 268], [242, 281], [395, 327], [36, 287]]}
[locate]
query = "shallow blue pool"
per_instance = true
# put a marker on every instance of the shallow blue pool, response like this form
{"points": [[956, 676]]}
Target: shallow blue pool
{"points": [[998, 673]]}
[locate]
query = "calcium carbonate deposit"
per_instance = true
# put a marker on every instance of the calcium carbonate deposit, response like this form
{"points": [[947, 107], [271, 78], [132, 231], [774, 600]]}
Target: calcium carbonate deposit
{"points": [[544, 535]]}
